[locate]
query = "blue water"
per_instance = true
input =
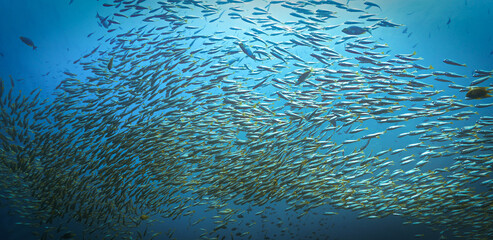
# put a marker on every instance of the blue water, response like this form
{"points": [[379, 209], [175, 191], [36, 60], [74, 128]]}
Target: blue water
{"points": [[435, 30]]}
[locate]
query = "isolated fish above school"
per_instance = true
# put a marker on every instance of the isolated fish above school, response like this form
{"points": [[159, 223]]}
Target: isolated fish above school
{"points": [[229, 105]]}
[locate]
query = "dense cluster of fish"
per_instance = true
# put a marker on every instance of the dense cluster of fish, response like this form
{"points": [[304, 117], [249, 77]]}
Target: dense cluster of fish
{"points": [[171, 118]]}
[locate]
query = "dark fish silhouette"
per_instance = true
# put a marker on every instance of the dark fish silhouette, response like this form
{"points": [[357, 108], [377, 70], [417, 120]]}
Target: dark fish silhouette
{"points": [[28, 42], [110, 64], [371, 4], [303, 77], [478, 93], [103, 21], [354, 30], [68, 235]]}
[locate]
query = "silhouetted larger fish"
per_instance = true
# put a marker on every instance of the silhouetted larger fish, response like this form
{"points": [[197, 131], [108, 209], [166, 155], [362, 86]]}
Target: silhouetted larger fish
{"points": [[303, 77], [355, 30], [28, 42], [478, 93]]}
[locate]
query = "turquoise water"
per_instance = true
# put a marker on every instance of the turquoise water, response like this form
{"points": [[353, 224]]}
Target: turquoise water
{"points": [[162, 123]]}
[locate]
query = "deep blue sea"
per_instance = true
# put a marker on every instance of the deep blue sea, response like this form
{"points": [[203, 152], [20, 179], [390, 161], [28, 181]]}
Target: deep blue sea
{"points": [[203, 103]]}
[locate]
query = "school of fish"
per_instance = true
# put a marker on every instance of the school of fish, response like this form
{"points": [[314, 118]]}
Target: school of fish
{"points": [[171, 118]]}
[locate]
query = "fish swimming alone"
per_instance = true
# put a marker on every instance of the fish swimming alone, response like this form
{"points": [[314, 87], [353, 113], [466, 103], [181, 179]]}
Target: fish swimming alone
{"points": [[28, 42], [478, 93]]}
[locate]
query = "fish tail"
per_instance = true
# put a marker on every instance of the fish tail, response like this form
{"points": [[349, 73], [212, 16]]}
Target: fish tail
{"points": [[34, 47], [369, 28]]}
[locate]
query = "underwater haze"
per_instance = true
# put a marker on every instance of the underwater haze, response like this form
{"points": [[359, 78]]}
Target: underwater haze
{"points": [[246, 119]]}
